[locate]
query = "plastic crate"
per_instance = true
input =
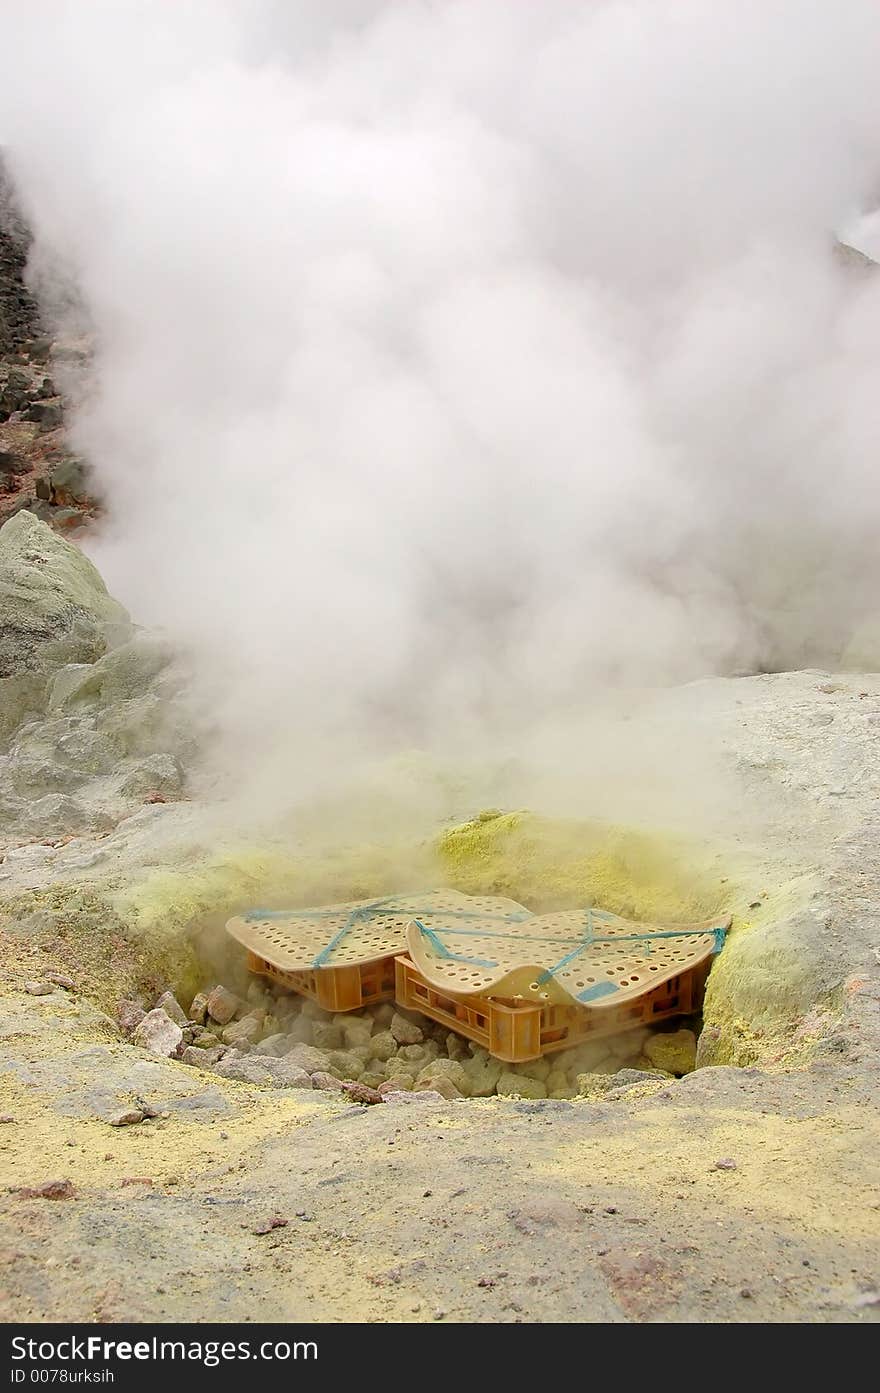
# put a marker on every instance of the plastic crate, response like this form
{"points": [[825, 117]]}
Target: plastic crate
{"points": [[334, 988], [517, 1031]]}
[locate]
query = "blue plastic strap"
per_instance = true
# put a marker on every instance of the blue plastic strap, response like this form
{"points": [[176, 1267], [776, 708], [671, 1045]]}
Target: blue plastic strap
{"points": [[569, 957], [443, 951], [599, 990]]}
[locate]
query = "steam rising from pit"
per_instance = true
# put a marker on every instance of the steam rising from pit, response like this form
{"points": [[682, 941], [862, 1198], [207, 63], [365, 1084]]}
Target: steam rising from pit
{"points": [[456, 361]]}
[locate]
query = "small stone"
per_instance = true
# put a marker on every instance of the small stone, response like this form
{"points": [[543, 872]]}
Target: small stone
{"points": [[243, 1068], [445, 1068], [308, 1058], [222, 1005], [437, 1084], [369, 1079], [382, 1045], [361, 1094], [675, 1052], [199, 1008], [347, 1062], [328, 1036], [519, 1085], [357, 1031], [6, 1117], [724, 1163], [274, 1221], [202, 1058], [125, 1117], [158, 1034], [244, 1032], [39, 988], [276, 1045], [51, 1190], [483, 1073], [129, 1014], [287, 1075], [171, 1006], [61, 980], [456, 1047], [328, 1083], [404, 1032], [398, 1083], [299, 1032]]}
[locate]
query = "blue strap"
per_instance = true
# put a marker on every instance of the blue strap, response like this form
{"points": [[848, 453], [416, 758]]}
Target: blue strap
{"points": [[444, 952], [599, 990], [569, 957]]}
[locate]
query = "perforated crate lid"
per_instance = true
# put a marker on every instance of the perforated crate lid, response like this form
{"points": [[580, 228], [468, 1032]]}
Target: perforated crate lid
{"points": [[586, 956], [361, 931]]}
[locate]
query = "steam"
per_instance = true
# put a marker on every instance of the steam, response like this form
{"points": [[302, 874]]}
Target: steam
{"points": [[456, 360]]}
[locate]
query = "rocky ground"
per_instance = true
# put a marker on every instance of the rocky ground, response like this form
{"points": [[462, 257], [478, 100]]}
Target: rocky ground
{"points": [[179, 1142], [202, 1155], [38, 469]]}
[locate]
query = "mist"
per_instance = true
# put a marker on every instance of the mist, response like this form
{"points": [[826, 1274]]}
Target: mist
{"points": [[460, 364]]}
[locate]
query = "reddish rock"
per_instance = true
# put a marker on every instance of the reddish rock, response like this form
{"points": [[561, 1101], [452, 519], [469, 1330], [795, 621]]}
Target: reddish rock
{"points": [[222, 1005], [360, 1092], [328, 1082], [129, 1015], [51, 1190]]}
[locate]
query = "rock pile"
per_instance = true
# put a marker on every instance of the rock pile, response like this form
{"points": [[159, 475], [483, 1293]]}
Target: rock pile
{"points": [[38, 472], [287, 1041]]}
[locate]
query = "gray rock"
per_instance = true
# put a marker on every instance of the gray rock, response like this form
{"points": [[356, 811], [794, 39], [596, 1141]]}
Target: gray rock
{"points": [[243, 1068], [308, 1058], [158, 1034], [246, 1031], [168, 1003], [39, 988], [404, 1032], [70, 482], [56, 814], [328, 1036], [159, 773], [520, 1085], [47, 587], [276, 1045], [48, 415], [202, 1059]]}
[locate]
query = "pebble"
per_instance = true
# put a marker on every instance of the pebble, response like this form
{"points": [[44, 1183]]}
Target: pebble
{"points": [[61, 980], [51, 1190], [327, 1082], [724, 1163], [126, 1117], [404, 1032], [38, 988], [274, 1221]]}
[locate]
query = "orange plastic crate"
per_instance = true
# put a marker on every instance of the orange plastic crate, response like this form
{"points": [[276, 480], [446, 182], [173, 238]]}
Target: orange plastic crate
{"points": [[334, 988], [517, 1031]]}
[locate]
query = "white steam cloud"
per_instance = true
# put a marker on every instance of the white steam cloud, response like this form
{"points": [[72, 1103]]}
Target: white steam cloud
{"points": [[458, 357]]}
